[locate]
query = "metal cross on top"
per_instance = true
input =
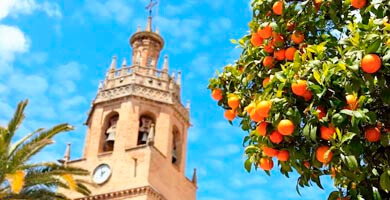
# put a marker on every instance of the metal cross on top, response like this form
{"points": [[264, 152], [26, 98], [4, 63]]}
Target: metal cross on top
{"points": [[150, 6]]}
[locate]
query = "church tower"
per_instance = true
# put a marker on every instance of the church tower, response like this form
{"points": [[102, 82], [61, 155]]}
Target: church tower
{"points": [[136, 142]]}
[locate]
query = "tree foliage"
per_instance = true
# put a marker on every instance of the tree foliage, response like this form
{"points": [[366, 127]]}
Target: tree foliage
{"points": [[324, 72], [21, 179]]}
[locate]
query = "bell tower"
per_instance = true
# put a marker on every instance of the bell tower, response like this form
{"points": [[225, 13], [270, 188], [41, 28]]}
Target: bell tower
{"points": [[136, 142]]}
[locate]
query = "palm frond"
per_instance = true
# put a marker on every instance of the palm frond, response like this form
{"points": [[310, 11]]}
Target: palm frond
{"points": [[20, 142], [15, 122]]}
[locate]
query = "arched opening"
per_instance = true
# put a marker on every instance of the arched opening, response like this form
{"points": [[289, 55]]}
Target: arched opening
{"points": [[176, 147], [109, 131], [146, 122]]}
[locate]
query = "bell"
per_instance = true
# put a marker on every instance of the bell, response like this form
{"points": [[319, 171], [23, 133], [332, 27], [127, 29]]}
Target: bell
{"points": [[111, 137]]}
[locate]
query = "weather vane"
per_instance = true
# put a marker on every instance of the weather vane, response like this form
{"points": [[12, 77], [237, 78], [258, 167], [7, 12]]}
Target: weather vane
{"points": [[150, 6]]}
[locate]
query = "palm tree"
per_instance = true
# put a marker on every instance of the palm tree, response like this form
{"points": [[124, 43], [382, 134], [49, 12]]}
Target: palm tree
{"points": [[20, 179]]}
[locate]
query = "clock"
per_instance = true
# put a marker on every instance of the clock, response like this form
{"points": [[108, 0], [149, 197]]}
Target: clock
{"points": [[101, 174]]}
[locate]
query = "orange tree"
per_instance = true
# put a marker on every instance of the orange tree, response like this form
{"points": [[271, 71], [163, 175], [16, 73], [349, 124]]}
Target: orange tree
{"points": [[312, 90]]}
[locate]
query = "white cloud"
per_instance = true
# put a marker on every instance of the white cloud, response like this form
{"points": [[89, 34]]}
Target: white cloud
{"points": [[117, 10], [12, 41], [28, 84], [73, 102], [64, 77], [225, 150], [15, 8]]}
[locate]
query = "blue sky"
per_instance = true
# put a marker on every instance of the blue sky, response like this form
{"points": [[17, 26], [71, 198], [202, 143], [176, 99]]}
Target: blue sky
{"points": [[55, 53]]}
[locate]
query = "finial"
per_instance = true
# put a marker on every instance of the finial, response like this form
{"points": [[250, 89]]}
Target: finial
{"points": [[178, 81], [188, 105], [194, 178], [113, 63], [173, 75], [138, 28], [149, 25], [149, 7], [124, 62], [165, 65], [66, 158], [101, 85], [157, 31]]}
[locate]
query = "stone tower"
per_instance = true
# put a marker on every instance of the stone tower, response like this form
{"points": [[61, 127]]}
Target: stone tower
{"points": [[136, 142]]}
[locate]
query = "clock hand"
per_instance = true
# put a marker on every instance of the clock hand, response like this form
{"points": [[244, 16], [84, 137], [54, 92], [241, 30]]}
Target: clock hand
{"points": [[102, 173]]}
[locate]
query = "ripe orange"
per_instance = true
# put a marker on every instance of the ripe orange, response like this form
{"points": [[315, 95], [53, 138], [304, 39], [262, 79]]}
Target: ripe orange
{"points": [[317, 4], [280, 54], [297, 37], [266, 163], [256, 40], [230, 115], [268, 62], [308, 95], [265, 32], [351, 101], [262, 128], [277, 39], [327, 132], [270, 152], [250, 107], [263, 108], [278, 8], [266, 81], [269, 47], [286, 127], [371, 63], [276, 137], [233, 101], [321, 112], [320, 154], [216, 94], [255, 117], [299, 87], [333, 172], [306, 164], [358, 3], [290, 53], [373, 134], [283, 155]]}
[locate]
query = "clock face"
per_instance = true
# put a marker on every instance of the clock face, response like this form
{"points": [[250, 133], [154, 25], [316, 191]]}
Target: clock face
{"points": [[101, 174]]}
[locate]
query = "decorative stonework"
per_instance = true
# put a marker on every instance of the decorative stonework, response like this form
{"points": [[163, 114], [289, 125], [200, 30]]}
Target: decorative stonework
{"points": [[146, 190]]}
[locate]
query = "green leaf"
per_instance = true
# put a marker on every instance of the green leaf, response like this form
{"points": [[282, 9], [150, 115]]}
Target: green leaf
{"points": [[352, 162], [317, 76], [348, 136], [385, 181], [376, 194], [248, 165], [373, 46], [334, 195]]}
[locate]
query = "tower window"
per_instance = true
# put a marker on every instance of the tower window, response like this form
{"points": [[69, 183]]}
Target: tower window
{"points": [[176, 147], [149, 62], [110, 133], [144, 129]]}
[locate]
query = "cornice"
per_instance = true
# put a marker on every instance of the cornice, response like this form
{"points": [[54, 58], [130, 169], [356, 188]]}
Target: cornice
{"points": [[145, 190]]}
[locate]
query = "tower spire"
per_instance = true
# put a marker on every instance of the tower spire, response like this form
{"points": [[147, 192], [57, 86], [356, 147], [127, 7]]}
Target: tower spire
{"points": [[149, 7]]}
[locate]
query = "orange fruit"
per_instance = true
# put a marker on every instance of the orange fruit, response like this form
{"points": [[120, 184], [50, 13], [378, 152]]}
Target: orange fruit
{"points": [[321, 112], [278, 8], [216, 94], [372, 134], [250, 107], [266, 81], [333, 172], [255, 117], [358, 3], [299, 87], [256, 40], [308, 95], [262, 128], [230, 115], [280, 54], [268, 62], [306, 164], [270, 152], [286, 127], [266, 163], [265, 32], [233, 101], [283, 155], [317, 4], [269, 47], [327, 132], [277, 39], [320, 154], [351, 101], [371, 63], [290, 53], [276, 137], [297, 37], [263, 108]]}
